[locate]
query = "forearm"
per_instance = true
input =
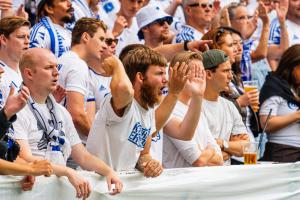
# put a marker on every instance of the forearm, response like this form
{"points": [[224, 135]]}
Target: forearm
{"points": [[164, 110], [204, 158], [262, 48], [171, 9], [169, 50], [216, 160], [92, 163], [236, 147], [121, 88], [278, 122], [82, 123], [13, 168]]}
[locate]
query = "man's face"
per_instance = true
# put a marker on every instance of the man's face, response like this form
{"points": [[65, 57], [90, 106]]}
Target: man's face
{"points": [[16, 43], [241, 20], [63, 11], [200, 11], [221, 78], [159, 30], [45, 73], [294, 8], [96, 45], [129, 8], [154, 82], [111, 43]]}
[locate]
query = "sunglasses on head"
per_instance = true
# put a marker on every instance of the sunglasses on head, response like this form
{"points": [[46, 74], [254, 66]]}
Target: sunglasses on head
{"points": [[161, 22], [202, 5], [109, 41]]}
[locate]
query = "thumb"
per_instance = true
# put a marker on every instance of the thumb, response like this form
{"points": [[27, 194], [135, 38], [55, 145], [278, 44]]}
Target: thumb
{"points": [[12, 90], [20, 9]]}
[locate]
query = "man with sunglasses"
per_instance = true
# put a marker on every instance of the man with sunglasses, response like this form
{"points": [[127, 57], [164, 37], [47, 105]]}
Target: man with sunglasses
{"points": [[88, 43], [198, 15]]}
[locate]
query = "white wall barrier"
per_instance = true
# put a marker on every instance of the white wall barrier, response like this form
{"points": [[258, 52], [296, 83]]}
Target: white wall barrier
{"points": [[265, 182]]}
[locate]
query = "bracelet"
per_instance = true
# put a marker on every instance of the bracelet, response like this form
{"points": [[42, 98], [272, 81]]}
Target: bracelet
{"points": [[185, 45]]}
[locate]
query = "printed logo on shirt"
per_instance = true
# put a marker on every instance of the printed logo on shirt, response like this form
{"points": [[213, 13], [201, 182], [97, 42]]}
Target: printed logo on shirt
{"points": [[156, 138], [108, 7], [293, 106], [139, 135]]}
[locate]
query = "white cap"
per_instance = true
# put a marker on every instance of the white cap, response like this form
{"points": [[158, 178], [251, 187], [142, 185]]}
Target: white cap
{"points": [[150, 14]]}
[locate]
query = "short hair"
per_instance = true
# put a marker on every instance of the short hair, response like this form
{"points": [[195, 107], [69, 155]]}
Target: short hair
{"points": [[10, 24], [140, 59], [130, 47], [232, 7], [86, 25], [186, 56]]}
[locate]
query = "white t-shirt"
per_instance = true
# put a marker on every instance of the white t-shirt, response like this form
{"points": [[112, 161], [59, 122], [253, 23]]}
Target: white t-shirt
{"points": [[98, 87], [40, 37], [74, 76], [288, 135], [11, 77], [179, 153], [187, 33], [26, 128], [293, 32], [118, 141], [223, 119]]}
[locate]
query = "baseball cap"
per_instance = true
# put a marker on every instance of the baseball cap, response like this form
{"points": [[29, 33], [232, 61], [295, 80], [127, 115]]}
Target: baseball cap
{"points": [[213, 58]]}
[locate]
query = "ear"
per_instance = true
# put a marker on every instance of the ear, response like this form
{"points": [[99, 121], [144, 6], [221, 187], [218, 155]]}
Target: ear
{"points": [[28, 73], [49, 9], [139, 77], [3, 39], [209, 74], [85, 37], [187, 10]]}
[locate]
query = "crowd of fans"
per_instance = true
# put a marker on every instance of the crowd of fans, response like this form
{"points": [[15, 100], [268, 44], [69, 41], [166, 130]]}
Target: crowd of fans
{"points": [[111, 85]]}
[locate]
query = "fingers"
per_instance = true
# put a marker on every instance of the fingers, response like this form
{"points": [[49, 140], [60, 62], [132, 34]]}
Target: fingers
{"points": [[153, 169], [27, 183], [82, 190], [12, 90]]}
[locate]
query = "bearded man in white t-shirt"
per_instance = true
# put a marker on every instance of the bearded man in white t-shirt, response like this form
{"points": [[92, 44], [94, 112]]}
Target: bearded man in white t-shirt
{"points": [[44, 128], [224, 120]]}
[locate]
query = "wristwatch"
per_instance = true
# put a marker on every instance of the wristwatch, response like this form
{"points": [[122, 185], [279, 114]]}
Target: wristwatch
{"points": [[225, 144]]}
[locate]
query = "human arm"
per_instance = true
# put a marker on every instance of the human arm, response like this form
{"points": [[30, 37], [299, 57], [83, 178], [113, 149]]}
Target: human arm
{"points": [[91, 110], [91, 163], [169, 50], [262, 48], [235, 146], [184, 129], [119, 26], [171, 9], [120, 85], [208, 157], [249, 98], [6, 8], [146, 164]]}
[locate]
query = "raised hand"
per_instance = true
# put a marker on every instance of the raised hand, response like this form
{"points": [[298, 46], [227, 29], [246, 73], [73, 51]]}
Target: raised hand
{"points": [[263, 12], [15, 103], [109, 64], [5, 4], [112, 178], [282, 9], [59, 94], [21, 12], [178, 76], [197, 80], [119, 26]]}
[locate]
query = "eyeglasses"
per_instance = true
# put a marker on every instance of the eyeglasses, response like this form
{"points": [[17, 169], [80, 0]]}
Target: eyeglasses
{"points": [[202, 5], [162, 22], [109, 41]]}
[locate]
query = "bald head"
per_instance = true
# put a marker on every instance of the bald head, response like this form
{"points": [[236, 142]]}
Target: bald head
{"points": [[34, 56]]}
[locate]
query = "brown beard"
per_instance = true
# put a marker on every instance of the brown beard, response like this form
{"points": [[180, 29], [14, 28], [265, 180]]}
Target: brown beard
{"points": [[149, 95]]}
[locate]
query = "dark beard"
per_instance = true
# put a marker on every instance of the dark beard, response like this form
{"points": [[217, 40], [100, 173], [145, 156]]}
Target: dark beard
{"points": [[68, 20], [148, 95]]}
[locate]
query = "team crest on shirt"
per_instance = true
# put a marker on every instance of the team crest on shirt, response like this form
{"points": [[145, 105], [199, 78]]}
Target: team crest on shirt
{"points": [[139, 135], [292, 106]]}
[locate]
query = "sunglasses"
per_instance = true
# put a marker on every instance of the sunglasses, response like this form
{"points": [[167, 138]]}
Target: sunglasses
{"points": [[109, 41], [161, 22], [202, 5]]}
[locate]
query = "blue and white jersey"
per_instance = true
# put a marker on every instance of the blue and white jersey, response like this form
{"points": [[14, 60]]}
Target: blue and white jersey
{"points": [[246, 62], [109, 6], [10, 78], [98, 87], [187, 33], [117, 140], [293, 32], [46, 34]]}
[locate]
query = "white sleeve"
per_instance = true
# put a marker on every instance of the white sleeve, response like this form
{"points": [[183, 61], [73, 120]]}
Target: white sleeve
{"points": [[189, 150], [39, 37], [210, 139], [107, 112], [22, 125], [271, 103], [238, 124]]}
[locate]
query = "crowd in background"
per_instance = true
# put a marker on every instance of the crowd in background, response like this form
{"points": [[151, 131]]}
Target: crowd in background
{"points": [[110, 85]]}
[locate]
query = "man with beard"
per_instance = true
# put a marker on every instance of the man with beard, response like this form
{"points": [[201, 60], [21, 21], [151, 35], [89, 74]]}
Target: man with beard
{"points": [[154, 25], [14, 41], [121, 133], [49, 32]]}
